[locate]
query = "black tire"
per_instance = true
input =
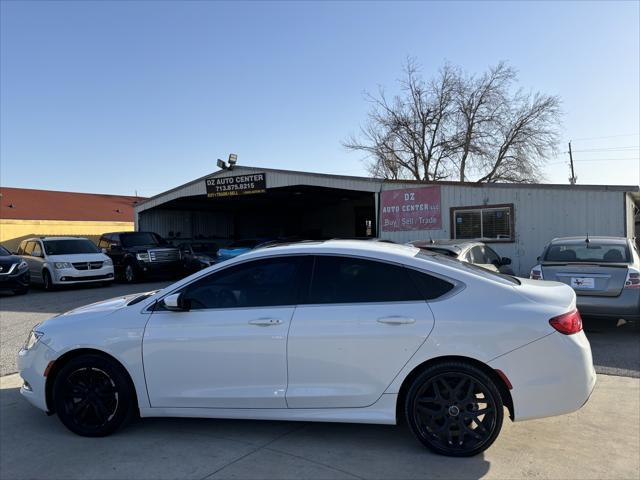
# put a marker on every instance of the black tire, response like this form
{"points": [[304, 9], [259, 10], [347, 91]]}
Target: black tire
{"points": [[21, 291], [93, 396], [442, 409], [47, 283], [129, 274]]}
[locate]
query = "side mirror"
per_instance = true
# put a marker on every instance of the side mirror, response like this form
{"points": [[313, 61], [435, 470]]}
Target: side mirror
{"points": [[176, 303], [505, 261]]}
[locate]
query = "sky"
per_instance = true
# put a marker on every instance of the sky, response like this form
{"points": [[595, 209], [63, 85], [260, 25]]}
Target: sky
{"points": [[139, 97]]}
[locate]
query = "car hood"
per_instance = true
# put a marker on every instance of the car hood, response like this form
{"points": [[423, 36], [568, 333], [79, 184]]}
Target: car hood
{"points": [[78, 257], [105, 306]]}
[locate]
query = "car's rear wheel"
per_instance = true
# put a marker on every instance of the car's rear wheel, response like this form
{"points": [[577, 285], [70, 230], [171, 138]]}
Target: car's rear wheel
{"points": [[93, 396], [454, 409]]}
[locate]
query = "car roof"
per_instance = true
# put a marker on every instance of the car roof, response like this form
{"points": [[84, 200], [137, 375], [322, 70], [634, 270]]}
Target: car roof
{"points": [[56, 238], [352, 247], [579, 240]]}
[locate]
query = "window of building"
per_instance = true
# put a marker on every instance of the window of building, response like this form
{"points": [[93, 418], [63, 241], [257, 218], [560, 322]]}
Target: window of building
{"points": [[487, 222]]}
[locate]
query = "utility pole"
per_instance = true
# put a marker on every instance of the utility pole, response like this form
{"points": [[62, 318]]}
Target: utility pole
{"points": [[573, 178]]}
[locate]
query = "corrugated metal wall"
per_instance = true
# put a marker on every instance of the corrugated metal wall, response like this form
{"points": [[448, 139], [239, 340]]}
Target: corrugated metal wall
{"points": [[540, 215]]}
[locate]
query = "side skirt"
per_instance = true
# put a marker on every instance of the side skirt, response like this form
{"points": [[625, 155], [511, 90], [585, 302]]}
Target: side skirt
{"points": [[381, 412]]}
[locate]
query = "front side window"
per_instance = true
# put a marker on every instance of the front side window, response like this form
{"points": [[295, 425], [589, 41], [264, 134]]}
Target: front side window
{"points": [[70, 247], [489, 223], [37, 250], [355, 280], [259, 283]]}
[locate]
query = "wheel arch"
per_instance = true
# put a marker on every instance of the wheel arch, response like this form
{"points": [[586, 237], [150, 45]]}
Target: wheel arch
{"points": [[65, 358], [505, 394]]}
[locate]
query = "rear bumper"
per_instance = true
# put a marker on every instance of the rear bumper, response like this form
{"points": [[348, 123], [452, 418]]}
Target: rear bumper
{"points": [[551, 376], [626, 305]]}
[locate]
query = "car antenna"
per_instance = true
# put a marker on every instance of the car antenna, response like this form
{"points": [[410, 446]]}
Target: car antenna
{"points": [[586, 240], [431, 241]]}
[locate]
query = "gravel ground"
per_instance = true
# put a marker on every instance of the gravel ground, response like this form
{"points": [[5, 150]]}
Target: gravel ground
{"points": [[616, 350]]}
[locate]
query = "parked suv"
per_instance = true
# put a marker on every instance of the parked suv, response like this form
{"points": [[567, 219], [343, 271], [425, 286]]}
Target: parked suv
{"points": [[604, 272], [14, 273], [137, 255], [55, 261]]}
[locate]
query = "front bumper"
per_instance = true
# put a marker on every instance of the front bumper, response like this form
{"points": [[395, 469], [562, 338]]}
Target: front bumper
{"points": [[160, 268], [15, 281], [32, 365], [70, 276], [551, 376], [626, 305]]}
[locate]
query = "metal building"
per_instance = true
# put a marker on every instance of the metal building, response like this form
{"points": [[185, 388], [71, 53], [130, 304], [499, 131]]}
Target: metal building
{"points": [[517, 219]]}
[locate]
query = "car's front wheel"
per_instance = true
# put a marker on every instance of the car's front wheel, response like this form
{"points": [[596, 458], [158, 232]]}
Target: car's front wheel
{"points": [[93, 396], [454, 409], [129, 273], [47, 282]]}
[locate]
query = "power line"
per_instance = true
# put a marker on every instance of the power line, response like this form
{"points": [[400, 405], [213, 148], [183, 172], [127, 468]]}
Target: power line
{"points": [[595, 160], [610, 149], [610, 136]]}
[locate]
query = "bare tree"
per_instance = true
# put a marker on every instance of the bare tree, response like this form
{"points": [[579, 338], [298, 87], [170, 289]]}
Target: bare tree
{"points": [[459, 127]]}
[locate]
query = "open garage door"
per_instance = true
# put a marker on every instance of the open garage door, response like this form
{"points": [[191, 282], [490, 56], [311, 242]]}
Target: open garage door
{"points": [[296, 212]]}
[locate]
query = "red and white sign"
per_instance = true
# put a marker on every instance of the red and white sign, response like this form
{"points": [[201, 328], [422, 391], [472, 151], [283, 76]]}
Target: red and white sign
{"points": [[410, 209]]}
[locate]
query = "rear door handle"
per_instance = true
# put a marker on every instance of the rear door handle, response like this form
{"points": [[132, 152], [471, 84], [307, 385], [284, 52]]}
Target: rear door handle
{"points": [[396, 320], [265, 322]]}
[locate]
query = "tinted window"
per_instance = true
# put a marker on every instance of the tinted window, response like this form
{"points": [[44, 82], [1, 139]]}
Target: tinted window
{"points": [[69, 247], [588, 252], [260, 283], [490, 255], [139, 239], [430, 287], [477, 255], [354, 280]]}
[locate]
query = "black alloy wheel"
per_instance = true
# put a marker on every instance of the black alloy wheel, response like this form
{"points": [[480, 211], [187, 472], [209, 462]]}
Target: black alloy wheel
{"points": [[454, 409], [92, 396]]}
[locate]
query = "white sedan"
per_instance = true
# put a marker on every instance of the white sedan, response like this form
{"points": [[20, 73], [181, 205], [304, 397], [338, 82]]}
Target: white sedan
{"points": [[336, 331]]}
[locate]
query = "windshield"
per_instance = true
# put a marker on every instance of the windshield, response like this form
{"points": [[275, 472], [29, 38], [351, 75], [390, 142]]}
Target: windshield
{"points": [[591, 252], [441, 251], [69, 247], [4, 252], [140, 239], [204, 248], [469, 267]]}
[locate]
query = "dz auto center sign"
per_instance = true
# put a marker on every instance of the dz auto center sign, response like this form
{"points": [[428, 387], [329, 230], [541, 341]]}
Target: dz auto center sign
{"points": [[410, 209], [239, 185]]}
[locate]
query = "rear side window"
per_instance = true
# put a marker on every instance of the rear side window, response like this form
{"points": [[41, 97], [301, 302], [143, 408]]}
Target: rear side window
{"points": [[588, 252], [28, 249], [430, 287], [355, 280]]}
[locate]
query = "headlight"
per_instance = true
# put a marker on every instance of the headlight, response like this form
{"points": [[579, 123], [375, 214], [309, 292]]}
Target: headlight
{"points": [[61, 265], [23, 265], [32, 339], [143, 257], [108, 262]]}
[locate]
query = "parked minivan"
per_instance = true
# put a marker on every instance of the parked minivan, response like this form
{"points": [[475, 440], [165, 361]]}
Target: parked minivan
{"points": [[56, 261]]}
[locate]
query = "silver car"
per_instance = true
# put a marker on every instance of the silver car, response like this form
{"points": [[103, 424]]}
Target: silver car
{"points": [[603, 271]]}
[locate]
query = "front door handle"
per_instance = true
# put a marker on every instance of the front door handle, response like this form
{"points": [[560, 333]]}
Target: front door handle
{"points": [[265, 322], [396, 320]]}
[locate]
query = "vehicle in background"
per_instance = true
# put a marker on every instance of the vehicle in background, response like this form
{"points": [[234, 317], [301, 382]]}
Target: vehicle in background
{"points": [[603, 271], [138, 255], [336, 331], [14, 272], [477, 253], [241, 246], [55, 261], [198, 254]]}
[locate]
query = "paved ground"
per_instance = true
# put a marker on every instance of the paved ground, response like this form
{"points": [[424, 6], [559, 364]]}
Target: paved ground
{"points": [[602, 440], [616, 351]]}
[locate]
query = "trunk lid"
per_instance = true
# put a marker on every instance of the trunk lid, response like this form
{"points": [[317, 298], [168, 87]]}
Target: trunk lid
{"points": [[601, 280], [549, 293]]}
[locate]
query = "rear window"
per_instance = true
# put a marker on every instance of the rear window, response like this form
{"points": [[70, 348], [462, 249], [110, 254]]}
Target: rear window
{"points": [[468, 267], [69, 247], [591, 252]]}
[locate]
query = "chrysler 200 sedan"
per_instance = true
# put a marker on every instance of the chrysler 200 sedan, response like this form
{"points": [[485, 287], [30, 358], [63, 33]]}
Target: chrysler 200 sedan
{"points": [[336, 331]]}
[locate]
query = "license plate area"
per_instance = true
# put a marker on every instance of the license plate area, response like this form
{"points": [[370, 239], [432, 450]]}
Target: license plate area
{"points": [[583, 283]]}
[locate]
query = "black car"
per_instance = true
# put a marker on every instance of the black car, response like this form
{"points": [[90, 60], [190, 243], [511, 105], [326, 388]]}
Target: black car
{"points": [[14, 273], [138, 255], [198, 254]]}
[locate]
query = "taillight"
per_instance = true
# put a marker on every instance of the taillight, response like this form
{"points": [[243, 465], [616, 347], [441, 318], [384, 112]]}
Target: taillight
{"points": [[567, 323], [633, 279], [536, 273]]}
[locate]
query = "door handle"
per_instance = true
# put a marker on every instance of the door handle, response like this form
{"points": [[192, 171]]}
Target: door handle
{"points": [[265, 322], [396, 320]]}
